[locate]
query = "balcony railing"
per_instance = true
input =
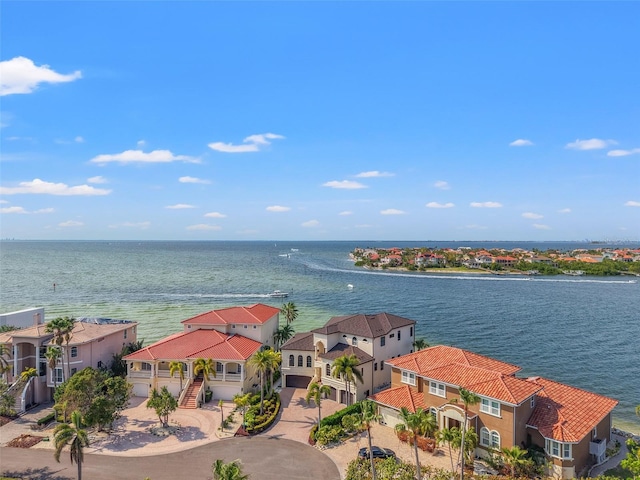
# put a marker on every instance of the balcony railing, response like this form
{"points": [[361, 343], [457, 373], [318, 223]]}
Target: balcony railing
{"points": [[598, 447], [229, 377], [140, 374]]}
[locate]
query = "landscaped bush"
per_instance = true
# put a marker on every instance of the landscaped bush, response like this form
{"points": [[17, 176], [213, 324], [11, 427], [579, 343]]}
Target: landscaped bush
{"points": [[46, 419], [257, 423], [336, 418], [329, 434]]}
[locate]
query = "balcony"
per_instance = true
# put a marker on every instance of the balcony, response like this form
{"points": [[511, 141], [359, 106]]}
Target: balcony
{"points": [[140, 373], [598, 447], [229, 377]]}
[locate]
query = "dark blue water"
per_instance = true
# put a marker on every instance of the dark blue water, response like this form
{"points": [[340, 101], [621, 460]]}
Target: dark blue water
{"points": [[582, 331]]}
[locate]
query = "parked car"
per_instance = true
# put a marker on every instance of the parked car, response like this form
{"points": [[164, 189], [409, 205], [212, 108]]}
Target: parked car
{"points": [[377, 452]]}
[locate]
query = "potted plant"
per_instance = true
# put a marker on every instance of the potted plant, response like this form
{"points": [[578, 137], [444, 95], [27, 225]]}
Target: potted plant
{"points": [[208, 395]]}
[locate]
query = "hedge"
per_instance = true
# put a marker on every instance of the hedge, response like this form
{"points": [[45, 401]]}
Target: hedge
{"points": [[336, 418], [263, 426], [47, 418]]}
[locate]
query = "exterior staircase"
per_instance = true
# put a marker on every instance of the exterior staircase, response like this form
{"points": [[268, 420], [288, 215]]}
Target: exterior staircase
{"points": [[190, 399]]}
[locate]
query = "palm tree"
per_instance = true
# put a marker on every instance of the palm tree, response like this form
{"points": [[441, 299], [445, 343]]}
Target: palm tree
{"points": [[5, 365], [204, 366], [415, 424], [228, 471], [468, 398], [221, 405], [284, 333], [345, 367], [316, 392], [52, 355], [75, 437], [177, 367], [420, 344], [368, 415], [242, 401], [275, 359], [261, 361], [289, 311], [62, 328], [448, 436], [514, 457]]}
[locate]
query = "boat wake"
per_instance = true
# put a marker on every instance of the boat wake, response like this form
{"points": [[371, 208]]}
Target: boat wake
{"points": [[213, 295]]}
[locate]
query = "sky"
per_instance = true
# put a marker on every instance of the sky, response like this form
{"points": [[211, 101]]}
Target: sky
{"points": [[302, 120]]}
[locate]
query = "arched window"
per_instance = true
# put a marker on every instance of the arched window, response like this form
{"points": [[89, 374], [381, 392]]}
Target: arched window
{"points": [[308, 361], [354, 341], [327, 370], [299, 360], [495, 440], [292, 361], [485, 437]]}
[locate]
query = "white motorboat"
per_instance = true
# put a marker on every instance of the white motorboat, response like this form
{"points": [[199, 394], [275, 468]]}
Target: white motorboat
{"points": [[278, 294]]}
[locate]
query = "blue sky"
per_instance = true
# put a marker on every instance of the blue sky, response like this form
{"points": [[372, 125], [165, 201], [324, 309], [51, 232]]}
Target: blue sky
{"points": [[320, 120]]}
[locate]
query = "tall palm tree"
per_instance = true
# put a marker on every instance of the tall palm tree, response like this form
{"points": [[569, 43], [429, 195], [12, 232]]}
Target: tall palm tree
{"points": [[468, 398], [345, 367], [368, 415], [228, 471], [205, 367], [52, 355], [284, 333], [242, 401], [75, 437], [5, 365], [261, 361], [415, 424], [289, 311], [275, 359], [513, 458], [448, 436], [316, 392], [176, 366], [62, 328]]}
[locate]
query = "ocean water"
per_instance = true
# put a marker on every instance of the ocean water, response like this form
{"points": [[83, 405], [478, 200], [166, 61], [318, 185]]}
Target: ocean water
{"points": [[583, 331]]}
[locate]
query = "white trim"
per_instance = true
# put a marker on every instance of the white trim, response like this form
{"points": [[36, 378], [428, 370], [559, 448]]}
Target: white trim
{"points": [[438, 389], [490, 406], [408, 377]]}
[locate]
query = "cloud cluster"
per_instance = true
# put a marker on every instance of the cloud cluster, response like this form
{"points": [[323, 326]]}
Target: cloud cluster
{"points": [[344, 184], [533, 216], [21, 75], [521, 142], [193, 180], [485, 204], [40, 187], [252, 143], [22, 210], [138, 156], [392, 211], [591, 144], [179, 206], [623, 153], [442, 185], [440, 205], [277, 208], [374, 174]]}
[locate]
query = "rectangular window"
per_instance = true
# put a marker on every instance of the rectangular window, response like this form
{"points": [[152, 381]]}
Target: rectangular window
{"points": [[490, 406], [58, 375], [125, 333], [411, 331], [392, 335], [398, 335], [533, 402], [382, 341], [566, 450], [381, 365], [409, 378], [74, 352], [375, 367], [557, 449], [438, 389]]}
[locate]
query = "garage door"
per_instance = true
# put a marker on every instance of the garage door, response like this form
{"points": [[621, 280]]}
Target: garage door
{"points": [[298, 381], [140, 390], [389, 417]]}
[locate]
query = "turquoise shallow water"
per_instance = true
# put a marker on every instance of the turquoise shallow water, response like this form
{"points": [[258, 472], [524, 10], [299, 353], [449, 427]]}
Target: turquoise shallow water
{"points": [[581, 331]]}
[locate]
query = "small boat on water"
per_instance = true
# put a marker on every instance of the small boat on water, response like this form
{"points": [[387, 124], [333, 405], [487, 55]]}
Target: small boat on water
{"points": [[349, 286], [278, 294], [573, 273]]}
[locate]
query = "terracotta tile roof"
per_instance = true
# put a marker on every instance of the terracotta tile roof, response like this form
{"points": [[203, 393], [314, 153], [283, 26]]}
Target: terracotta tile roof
{"points": [[198, 344], [371, 326], [254, 315], [567, 414], [300, 341], [482, 375], [341, 349], [398, 397]]}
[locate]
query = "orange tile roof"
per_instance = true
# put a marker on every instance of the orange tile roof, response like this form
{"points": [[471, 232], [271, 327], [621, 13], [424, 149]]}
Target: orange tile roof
{"points": [[198, 344], [482, 375], [398, 397], [567, 414], [255, 314]]}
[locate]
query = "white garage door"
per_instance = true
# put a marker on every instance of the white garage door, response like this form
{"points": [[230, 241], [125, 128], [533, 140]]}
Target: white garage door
{"points": [[389, 417], [225, 393], [140, 390]]}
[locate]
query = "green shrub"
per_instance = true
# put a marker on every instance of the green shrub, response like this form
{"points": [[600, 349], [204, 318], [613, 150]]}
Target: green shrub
{"points": [[329, 434], [47, 418], [262, 422], [336, 418]]}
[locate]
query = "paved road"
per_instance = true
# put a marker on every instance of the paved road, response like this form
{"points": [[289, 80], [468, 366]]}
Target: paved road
{"points": [[262, 458]]}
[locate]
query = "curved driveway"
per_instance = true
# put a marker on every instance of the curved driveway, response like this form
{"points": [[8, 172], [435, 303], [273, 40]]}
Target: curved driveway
{"points": [[263, 458]]}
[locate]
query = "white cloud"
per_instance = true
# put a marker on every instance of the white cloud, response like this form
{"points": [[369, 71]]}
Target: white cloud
{"points": [[41, 187], [140, 225], [4, 201], [21, 210], [591, 144], [521, 142], [78, 139], [252, 143], [71, 223], [97, 179], [344, 184], [439, 205], [277, 208], [21, 75], [485, 204], [141, 143], [541, 227], [442, 185], [392, 211], [345, 213], [310, 223], [564, 210], [374, 174], [193, 180], [204, 226], [179, 206], [138, 156], [215, 215], [632, 203], [533, 216], [622, 153]]}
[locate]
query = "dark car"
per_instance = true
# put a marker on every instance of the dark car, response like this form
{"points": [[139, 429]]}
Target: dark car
{"points": [[377, 452]]}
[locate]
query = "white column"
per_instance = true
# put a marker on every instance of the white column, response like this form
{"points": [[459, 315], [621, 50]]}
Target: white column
{"points": [[15, 361]]}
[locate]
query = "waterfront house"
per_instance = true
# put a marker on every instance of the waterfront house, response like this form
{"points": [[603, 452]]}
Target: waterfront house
{"points": [[372, 339], [573, 426], [229, 337], [92, 343]]}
